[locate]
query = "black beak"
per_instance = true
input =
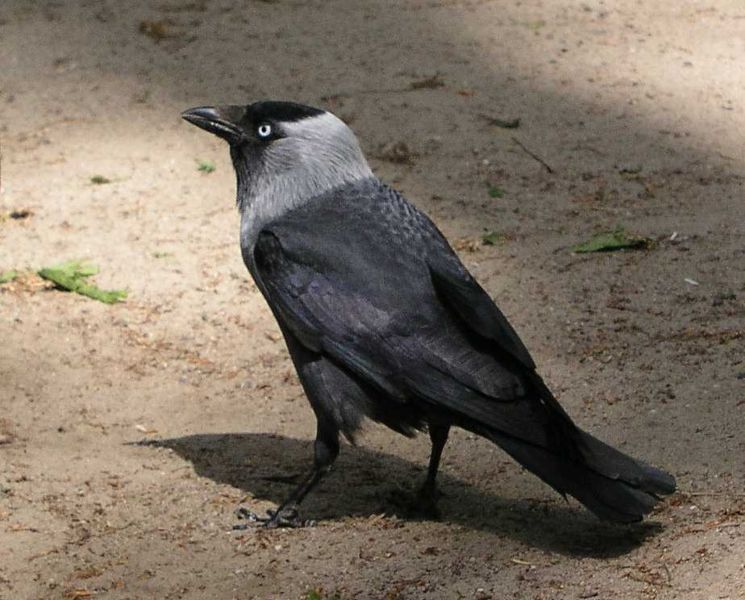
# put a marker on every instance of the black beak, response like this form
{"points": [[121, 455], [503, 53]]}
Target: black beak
{"points": [[223, 121]]}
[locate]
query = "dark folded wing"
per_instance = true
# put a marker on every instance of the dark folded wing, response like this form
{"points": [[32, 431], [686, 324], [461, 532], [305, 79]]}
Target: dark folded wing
{"points": [[471, 303], [370, 300]]}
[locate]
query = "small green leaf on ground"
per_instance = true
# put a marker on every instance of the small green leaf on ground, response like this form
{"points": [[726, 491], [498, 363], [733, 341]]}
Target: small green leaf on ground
{"points": [[495, 191], [535, 25], [7, 276], [205, 166], [493, 238], [100, 180], [314, 595], [610, 241], [71, 276]]}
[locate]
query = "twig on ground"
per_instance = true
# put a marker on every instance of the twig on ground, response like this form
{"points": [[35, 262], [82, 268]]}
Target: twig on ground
{"points": [[714, 494], [503, 123], [533, 155]]}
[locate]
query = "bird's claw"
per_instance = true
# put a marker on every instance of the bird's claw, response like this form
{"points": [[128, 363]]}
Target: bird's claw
{"points": [[286, 517], [249, 516]]}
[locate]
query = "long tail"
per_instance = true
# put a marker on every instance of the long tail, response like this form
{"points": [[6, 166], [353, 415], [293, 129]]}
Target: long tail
{"points": [[611, 484], [536, 431]]}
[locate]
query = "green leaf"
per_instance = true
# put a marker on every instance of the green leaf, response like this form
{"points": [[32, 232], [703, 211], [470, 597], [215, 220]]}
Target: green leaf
{"points": [[206, 166], [495, 191], [492, 238], [611, 241], [71, 276], [7, 276], [314, 595], [74, 269], [100, 180], [535, 25]]}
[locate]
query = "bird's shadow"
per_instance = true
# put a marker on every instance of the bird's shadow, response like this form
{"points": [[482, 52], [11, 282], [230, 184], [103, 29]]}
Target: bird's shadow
{"points": [[365, 482]]}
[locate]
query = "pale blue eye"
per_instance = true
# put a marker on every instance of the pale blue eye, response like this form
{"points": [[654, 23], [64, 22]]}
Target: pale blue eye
{"points": [[264, 130]]}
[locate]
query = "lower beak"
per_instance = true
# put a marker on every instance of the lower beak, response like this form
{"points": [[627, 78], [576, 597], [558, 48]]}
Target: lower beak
{"points": [[223, 121]]}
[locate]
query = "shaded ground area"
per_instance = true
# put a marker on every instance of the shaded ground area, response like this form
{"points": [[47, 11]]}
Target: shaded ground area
{"points": [[130, 433]]}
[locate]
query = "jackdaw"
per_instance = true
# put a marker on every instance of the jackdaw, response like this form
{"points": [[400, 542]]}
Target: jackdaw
{"points": [[383, 321]]}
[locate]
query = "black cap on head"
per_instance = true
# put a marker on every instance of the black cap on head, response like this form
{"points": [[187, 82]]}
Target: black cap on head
{"points": [[237, 123], [270, 110]]}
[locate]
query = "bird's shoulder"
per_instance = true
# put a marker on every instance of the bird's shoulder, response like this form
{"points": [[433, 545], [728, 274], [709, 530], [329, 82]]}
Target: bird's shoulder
{"points": [[365, 228], [363, 212]]}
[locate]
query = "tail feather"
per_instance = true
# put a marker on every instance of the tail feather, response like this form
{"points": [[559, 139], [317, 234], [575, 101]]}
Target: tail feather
{"points": [[611, 484], [613, 464]]}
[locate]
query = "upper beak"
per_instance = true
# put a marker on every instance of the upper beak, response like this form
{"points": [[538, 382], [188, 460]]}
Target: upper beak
{"points": [[223, 121]]}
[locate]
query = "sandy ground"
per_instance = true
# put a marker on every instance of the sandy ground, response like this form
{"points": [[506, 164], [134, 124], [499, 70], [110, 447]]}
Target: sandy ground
{"points": [[130, 433]]}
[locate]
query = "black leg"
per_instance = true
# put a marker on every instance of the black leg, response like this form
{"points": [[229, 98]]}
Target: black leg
{"points": [[326, 449], [428, 494]]}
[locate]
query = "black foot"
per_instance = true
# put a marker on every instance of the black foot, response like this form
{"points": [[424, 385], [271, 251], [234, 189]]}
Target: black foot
{"points": [[287, 517]]}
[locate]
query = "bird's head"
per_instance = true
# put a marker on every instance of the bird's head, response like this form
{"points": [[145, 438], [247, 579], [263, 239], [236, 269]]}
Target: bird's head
{"points": [[283, 153]]}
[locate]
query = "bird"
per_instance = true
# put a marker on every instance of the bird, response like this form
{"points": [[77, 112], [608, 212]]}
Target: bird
{"points": [[383, 322]]}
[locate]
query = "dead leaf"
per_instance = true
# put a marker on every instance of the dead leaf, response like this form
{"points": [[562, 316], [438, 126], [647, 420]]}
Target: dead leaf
{"points": [[78, 593], [467, 244], [503, 123], [15, 527], [87, 573], [145, 430], [397, 153], [157, 30], [428, 83]]}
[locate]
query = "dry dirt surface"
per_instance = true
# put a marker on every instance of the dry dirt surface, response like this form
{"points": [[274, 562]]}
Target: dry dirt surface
{"points": [[130, 433]]}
